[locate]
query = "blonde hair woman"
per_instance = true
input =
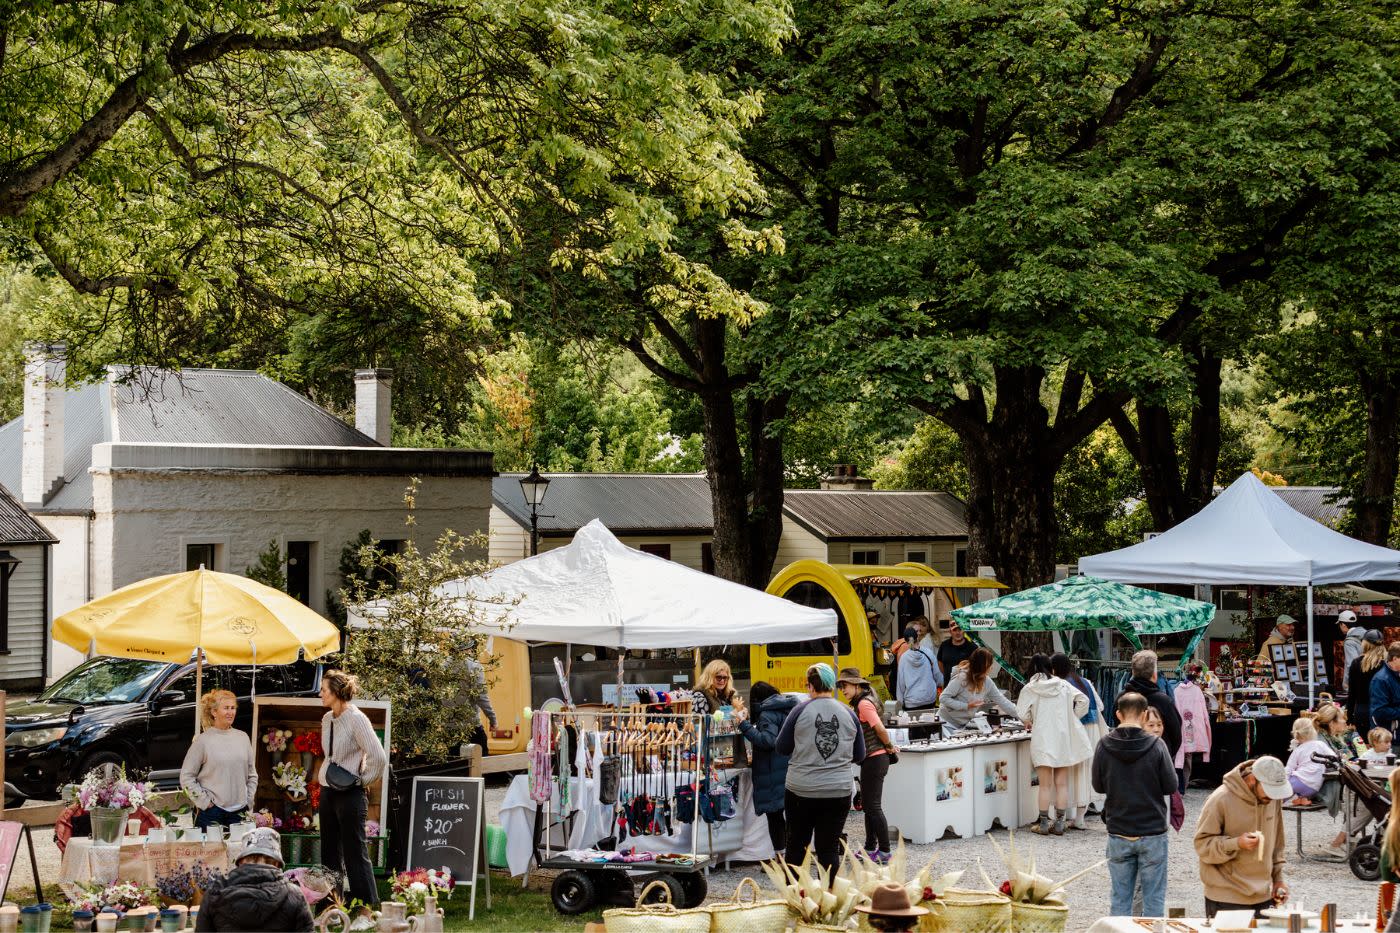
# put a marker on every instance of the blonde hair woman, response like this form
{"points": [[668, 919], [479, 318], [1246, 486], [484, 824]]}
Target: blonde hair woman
{"points": [[1390, 846], [218, 770], [716, 687]]}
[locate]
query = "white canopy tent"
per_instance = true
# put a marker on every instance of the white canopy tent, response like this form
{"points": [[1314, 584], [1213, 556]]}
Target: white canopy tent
{"points": [[598, 591], [1249, 535]]}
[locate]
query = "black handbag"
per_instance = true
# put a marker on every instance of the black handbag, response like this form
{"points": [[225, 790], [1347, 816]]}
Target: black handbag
{"points": [[609, 778], [338, 778]]}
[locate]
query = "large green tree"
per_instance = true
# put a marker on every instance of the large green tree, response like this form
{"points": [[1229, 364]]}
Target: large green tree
{"points": [[1017, 216]]}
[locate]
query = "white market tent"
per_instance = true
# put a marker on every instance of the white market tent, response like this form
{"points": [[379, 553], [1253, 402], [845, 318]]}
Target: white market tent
{"points": [[598, 591], [1248, 534]]}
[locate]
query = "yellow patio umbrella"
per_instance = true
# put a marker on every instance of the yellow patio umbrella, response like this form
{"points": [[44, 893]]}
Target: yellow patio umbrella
{"points": [[227, 618]]}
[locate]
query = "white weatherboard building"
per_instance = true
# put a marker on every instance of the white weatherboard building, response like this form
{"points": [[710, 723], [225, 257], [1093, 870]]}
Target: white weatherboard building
{"points": [[150, 472], [24, 587]]}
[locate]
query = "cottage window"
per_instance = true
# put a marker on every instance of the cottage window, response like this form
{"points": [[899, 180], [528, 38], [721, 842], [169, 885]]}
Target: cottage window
{"points": [[8, 565], [660, 550], [201, 555], [865, 556]]}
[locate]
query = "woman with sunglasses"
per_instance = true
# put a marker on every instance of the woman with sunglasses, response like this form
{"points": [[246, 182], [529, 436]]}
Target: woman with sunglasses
{"points": [[715, 688]]}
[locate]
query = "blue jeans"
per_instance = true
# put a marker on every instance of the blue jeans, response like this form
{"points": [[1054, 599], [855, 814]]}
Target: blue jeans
{"points": [[218, 816], [1133, 862]]}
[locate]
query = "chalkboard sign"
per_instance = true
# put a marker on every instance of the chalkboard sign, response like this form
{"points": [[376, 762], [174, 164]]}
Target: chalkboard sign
{"points": [[446, 827]]}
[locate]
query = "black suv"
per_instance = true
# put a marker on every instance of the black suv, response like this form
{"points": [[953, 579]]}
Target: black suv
{"points": [[132, 712]]}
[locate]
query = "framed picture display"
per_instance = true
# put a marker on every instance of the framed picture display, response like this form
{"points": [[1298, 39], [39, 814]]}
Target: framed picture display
{"points": [[1292, 672], [1278, 655], [1280, 671]]}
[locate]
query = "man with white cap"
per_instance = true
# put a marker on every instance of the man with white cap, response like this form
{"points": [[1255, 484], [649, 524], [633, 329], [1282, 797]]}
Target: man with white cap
{"points": [[1239, 838], [256, 895], [1353, 645]]}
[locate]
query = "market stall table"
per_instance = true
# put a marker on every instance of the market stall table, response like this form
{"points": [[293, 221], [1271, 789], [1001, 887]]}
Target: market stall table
{"points": [[1237, 740], [135, 860], [1197, 925], [965, 785]]}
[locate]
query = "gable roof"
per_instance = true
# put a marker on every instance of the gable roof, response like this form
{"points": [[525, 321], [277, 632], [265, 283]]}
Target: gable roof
{"points": [[627, 503], [17, 526], [192, 406], [877, 515], [679, 504], [1316, 502]]}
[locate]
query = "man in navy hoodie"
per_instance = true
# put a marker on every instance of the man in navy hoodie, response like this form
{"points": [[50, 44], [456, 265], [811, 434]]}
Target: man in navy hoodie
{"points": [[1134, 770]]}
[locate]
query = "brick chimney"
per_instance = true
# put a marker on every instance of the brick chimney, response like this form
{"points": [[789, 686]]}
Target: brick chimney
{"points": [[844, 478], [42, 457], [373, 393]]}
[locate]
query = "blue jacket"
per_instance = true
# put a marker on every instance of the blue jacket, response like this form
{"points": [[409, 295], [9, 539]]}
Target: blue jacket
{"points": [[919, 679], [1385, 697], [769, 771]]}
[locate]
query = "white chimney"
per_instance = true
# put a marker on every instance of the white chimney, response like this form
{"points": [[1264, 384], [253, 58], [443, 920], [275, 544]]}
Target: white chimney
{"points": [[373, 392], [42, 472]]}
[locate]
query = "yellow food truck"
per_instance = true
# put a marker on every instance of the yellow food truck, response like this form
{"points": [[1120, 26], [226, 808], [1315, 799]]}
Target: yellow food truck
{"points": [[852, 590]]}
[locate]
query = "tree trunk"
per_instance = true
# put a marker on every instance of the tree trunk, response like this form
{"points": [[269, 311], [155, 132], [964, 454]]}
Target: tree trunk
{"points": [[1374, 506], [724, 471], [765, 518], [1203, 443]]}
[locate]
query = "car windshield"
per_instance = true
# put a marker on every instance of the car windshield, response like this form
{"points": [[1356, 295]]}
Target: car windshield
{"points": [[105, 680]]}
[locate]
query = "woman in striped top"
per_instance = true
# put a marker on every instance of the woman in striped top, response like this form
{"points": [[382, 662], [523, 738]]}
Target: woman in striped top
{"points": [[349, 741]]}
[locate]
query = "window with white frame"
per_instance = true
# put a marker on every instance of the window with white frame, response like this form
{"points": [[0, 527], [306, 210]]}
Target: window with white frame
{"points": [[865, 555]]}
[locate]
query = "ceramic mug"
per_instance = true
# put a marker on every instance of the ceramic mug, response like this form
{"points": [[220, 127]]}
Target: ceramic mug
{"points": [[214, 833]]}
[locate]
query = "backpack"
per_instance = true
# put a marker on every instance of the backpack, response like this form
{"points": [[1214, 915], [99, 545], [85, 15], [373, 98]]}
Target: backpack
{"points": [[1083, 687]]}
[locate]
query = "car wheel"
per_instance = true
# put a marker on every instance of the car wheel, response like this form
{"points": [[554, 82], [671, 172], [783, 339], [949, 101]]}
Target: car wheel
{"points": [[97, 760]]}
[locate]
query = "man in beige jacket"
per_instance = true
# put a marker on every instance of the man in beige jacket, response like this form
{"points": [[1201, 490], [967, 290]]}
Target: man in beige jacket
{"points": [[1239, 838]]}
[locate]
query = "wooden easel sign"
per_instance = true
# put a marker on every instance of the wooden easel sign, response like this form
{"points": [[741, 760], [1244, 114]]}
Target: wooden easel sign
{"points": [[447, 827]]}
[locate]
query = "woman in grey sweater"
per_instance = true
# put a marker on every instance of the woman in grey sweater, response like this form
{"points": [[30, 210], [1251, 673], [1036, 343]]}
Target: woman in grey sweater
{"points": [[349, 740], [823, 739], [970, 689], [218, 770]]}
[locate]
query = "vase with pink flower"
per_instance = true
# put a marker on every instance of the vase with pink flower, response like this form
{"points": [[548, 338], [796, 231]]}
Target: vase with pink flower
{"points": [[110, 797], [275, 739]]}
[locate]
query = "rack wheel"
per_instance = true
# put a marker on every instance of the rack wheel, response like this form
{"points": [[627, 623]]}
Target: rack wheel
{"points": [[695, 887], [1366, 862], [573, 892], [672, 885]]}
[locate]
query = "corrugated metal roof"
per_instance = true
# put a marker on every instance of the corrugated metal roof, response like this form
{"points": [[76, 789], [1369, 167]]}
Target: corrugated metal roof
{"points": [[871, 515], [194, 406], [1316, 502], [633, 503], [17, 526], [222, 406]]}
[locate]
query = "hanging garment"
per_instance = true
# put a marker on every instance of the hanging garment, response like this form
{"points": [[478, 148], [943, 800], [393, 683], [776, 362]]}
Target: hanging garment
{"points": [[1190, 701], [541, 760]]}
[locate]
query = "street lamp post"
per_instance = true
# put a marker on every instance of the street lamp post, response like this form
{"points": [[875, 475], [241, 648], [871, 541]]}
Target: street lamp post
{"points": [[534, 487]]}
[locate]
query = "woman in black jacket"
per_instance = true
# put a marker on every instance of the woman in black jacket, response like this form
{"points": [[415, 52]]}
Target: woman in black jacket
{"points": [[769, 769], [1359, 680], [255, 895]]}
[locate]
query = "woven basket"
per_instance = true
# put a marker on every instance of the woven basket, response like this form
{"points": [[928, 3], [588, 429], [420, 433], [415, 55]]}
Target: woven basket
{"points": [[1049, 917], [962, 911], [656, 918], [736, 916], [804, 927]]}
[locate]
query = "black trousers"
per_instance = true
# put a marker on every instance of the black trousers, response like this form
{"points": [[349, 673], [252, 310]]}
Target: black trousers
{"points": [[343, 844], [777, 831], [872, 793], [816, 821], [218, 816], [1213, 907]]}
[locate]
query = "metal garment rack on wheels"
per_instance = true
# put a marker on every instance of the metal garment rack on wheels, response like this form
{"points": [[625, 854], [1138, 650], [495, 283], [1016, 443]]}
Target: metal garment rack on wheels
{"points": [[641, 739]]}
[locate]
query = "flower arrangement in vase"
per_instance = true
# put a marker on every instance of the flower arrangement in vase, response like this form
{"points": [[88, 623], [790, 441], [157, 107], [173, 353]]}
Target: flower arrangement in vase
{"points": [[291, 778], [308, 745], [109, 796], [265, 819], [275, 739], [416, 886]]}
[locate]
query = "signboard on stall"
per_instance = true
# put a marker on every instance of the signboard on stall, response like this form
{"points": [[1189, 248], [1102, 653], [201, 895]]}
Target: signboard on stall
{"points": [[10, 832], [446, 829]]}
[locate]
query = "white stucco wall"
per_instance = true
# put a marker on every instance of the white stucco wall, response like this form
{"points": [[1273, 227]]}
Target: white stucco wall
{"points": [[69, 586], [145, 519]]}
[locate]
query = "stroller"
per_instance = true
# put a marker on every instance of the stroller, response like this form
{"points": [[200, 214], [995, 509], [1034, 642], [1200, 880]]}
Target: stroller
{"points": [[1365, 858]]}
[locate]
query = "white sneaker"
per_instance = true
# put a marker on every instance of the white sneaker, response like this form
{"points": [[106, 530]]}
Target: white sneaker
{"points": [[1331, 852]]}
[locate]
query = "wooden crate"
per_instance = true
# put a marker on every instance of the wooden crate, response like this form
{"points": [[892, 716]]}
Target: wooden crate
{"points": [[300, 714]]}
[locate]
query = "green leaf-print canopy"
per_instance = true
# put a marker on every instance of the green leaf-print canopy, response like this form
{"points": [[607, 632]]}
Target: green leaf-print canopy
{"points": [[1087, 603]]}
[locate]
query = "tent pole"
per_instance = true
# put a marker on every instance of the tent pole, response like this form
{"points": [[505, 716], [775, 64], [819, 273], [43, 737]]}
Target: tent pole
{"points": [[1312, 661], [198, 690]]}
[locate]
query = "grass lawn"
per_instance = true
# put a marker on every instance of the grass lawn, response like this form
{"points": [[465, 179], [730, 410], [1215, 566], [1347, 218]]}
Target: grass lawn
{"points": [[512, 908]]}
